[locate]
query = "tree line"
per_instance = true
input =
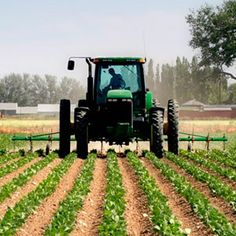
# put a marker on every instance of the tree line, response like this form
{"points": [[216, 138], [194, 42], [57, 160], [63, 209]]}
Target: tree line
{"points": [[187, 80], [30, 90]]}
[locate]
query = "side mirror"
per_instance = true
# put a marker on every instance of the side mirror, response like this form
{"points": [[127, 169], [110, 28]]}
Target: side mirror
{"points": [[71, 65]]}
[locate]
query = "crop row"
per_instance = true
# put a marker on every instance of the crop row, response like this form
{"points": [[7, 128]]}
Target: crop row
{"points": [[215, 184], [162, 217], [63, 220], [10, 187], [199, 203], [17, 215], [113, 222], [226, 172], [7, 157], [224, 157], [17, 164]]}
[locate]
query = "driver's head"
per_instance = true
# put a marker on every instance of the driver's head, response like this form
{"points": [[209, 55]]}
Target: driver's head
{"points": [[111, 71]]}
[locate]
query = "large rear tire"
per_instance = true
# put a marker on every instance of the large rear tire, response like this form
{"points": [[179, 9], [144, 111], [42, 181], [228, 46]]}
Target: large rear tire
{"points": [[65, 128], [156, 133], [173, 126], [81, 131]]}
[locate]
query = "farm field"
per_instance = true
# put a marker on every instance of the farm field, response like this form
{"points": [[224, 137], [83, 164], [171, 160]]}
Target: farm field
{"points": [[118, 194]]}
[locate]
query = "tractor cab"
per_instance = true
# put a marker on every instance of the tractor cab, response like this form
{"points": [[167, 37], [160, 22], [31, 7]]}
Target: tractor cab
{"points": [[119, 74]]}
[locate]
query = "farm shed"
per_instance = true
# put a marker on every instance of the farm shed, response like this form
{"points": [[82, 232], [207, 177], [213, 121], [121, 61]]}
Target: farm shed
{"points": [[209, 112], [193, 105], [51, 109], [26, 110], [8, 108]]}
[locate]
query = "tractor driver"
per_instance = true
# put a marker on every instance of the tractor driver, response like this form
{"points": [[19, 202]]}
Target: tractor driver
{"points": [[116, 81]]}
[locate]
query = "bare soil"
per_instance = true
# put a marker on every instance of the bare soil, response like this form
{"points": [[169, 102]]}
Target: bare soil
{"points": [[30, 186], [137, 214], [37, 222], [178, 204], [90, 216], [215, 201]]}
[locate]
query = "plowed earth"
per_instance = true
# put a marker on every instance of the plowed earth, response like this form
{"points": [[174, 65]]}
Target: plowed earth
{"points": [[137, 213]]}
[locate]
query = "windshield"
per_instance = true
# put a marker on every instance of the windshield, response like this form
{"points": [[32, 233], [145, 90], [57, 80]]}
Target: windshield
{"points": [[118, 77]]}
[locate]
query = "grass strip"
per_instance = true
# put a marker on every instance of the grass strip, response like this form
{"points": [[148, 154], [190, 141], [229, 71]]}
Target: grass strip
{"points": [[16, 216], [7, 157], [198, 158], [63, 220], [15, 165], [162, 217], [198, 202], [7, 189], [113, 222], [216, 186]]}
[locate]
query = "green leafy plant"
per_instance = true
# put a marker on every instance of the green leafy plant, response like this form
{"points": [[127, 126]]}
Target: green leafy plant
{"points": [[15, 165], [162, 217], [215, 184], [10, 187], [199, 203], [7, 157], [113, 222], [17, 215], [198, 158], [64, 219]]}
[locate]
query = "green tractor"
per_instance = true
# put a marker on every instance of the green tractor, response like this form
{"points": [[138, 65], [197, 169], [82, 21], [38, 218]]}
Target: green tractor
{"points": [[118, 109]]}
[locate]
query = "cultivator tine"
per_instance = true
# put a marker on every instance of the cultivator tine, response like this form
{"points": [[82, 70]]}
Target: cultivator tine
{"points": [[137, 147], [102, 148]]}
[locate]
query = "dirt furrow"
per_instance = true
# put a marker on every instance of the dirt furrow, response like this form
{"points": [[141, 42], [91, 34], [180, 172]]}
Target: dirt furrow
{"points": [[178, 204], [30, 186], [226, 180], [215, 201], [90, 216], [137, 212], [37, 222], [15, 173]]}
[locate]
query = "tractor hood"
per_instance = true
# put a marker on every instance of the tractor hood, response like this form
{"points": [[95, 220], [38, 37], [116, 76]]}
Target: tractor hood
{"points": [[119, 94]]}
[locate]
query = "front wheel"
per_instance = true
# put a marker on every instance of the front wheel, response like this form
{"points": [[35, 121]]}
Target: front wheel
{"points": [[156, 133], [81, 131]]}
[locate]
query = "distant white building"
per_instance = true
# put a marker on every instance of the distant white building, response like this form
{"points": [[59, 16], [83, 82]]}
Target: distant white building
{"points": [[48, 108], [8, 108], [41, 109], [26, 110], [52, 108], [193, 105]]}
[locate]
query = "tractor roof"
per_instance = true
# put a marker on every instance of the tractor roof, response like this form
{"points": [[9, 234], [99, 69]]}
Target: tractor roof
{"points": [[118, 59]]}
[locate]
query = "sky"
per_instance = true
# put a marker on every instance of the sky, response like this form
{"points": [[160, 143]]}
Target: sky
{"points": [[38, 37]]}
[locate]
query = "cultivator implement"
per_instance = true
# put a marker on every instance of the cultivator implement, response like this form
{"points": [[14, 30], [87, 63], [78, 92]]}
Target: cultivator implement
{"points": [[184, 137]]}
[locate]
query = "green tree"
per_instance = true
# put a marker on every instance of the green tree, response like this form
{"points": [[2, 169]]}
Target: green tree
{"points": [[52, 89], [157, 87], [150, 76], [214, 33], [39, 90], [71, 89], [183, 83], [167, 83], [232, 94]]}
